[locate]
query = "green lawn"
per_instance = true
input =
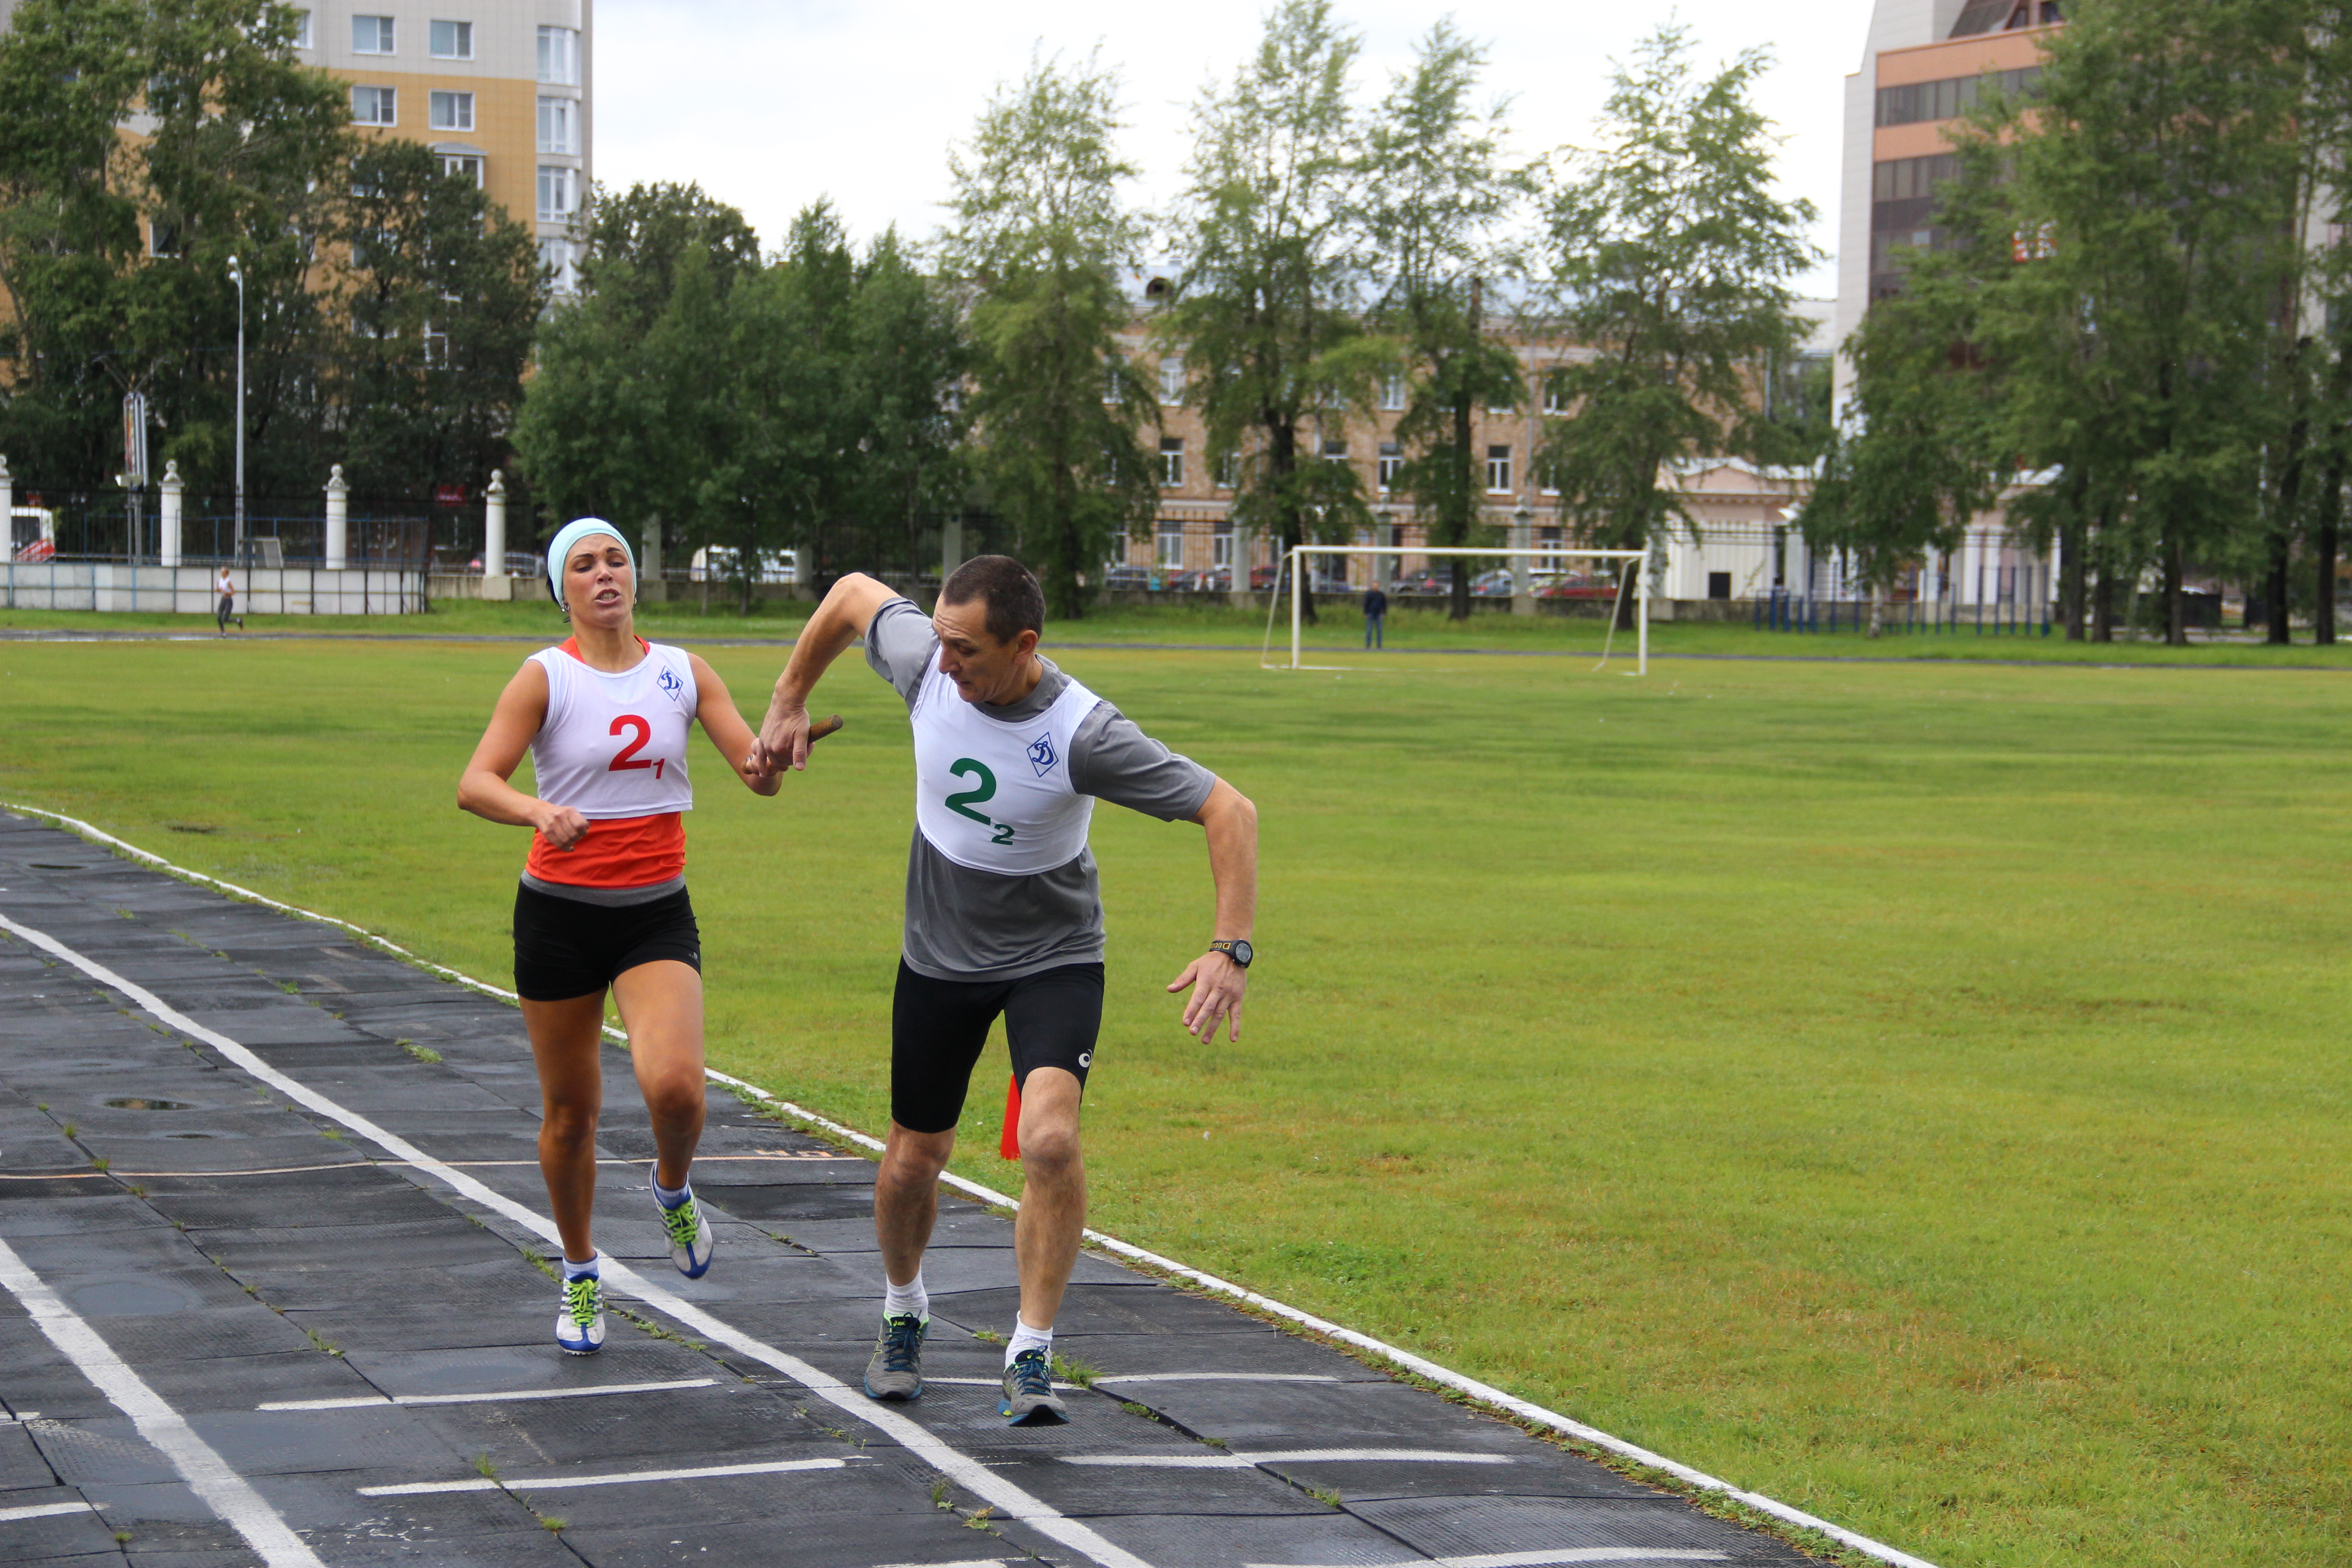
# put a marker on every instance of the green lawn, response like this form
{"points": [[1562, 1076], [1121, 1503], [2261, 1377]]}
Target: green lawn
{"points": [[1914, 1090]]}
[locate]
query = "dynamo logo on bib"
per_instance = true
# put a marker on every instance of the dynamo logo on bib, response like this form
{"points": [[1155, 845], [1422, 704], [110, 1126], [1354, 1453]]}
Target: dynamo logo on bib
{"points": [[1041, 755], [669, 682]]}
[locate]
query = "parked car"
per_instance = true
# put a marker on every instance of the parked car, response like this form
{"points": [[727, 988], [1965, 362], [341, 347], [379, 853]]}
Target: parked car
{"points": [[1418, 583], [1263, 577], [1579, 585], [717, 565], [1216, 580], [1496, 585], [1130, 577]]}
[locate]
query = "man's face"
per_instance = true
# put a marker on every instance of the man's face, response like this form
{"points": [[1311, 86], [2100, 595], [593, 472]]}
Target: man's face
{"points": [[983, 670]]}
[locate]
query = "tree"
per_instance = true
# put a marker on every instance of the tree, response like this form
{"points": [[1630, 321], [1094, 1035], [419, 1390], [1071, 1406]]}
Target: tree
{"points": [[442, 292], [1265, 313], [1039, 234], [906, 364], [114, 250], [1671, 258], [1435, 190]]}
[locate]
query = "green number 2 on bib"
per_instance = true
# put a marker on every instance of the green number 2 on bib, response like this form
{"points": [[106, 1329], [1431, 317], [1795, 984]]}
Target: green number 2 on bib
{"points": [[963, 801]]}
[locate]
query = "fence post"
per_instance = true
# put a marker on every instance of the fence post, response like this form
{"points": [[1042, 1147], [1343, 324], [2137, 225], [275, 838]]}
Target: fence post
{"points": [[496, 584], [8, 507], [167, 523], [339, 519]]}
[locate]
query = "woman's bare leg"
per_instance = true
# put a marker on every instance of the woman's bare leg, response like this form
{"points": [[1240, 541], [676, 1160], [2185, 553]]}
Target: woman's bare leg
{"points": [[565, 1039], [661, 1006]]}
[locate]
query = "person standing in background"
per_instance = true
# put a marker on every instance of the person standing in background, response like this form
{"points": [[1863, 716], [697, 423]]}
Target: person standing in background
{"points": [[1376, 610]]}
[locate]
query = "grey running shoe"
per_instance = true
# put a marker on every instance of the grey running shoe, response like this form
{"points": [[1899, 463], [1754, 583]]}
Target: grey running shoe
{"points": [[1029, 1397], [895, 1372]]}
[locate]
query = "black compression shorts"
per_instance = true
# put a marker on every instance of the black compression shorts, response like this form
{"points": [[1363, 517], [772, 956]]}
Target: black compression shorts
{"points": [[937, 1027], [565, 948]]}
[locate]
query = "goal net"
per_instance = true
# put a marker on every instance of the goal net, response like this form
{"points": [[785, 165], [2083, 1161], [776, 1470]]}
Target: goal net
{"points": [[1620, 568]]}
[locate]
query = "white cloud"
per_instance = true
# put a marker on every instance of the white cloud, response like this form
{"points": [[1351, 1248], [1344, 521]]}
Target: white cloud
{"points": [[771, 105]]}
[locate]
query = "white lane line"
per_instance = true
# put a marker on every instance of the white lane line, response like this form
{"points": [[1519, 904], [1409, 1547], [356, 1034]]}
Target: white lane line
{"points": [[517, 1394], [1214, 1377], [1525, 1409], [967, 1562], [1552, 1559], [45, 1510], [1007, 1500], [988, 1382], [619, 1478], [1289, 1457], [227, 1493]]}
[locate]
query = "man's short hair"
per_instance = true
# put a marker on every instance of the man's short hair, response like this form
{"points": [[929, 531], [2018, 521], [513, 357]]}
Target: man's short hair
{"points": [[1015, 604]]}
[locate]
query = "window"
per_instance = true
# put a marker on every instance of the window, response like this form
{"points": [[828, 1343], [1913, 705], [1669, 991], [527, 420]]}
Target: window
{"points": [[1112, 364], [1555, 393], [376, 106], [1229, 469], [1172, 544], [562, 260], [559, 56], [1498, 470], [1509, 401], [371, 35], [1719, 584], [467, 166], [1220, 544], [437, 347], [1172, 379], [559, 118], [1171, 460], [1391, 465], [557, 188], [452, 40], [1392, 391], [302, 34], [1335, 451], [163, 236], [450, 111]]}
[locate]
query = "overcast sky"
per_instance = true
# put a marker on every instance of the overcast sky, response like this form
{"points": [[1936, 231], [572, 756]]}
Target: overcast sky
{"points": [[770, 104]]}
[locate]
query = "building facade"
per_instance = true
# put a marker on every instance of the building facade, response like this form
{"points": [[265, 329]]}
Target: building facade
{"points": [[500, 88]]}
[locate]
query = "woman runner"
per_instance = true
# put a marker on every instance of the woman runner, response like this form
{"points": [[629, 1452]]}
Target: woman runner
{"points": [[602, 902]]}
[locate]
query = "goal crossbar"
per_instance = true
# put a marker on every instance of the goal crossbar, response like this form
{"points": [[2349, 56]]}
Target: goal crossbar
{"points": [[1293, 559]]}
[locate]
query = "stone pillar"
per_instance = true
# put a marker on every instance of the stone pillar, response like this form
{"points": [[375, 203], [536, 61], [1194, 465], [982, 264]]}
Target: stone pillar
{"points": [[951, 547], [1523, 574], [339, 514], [496, 584], [167, 546], [8, 511], [653, 588], [1244, 559]]}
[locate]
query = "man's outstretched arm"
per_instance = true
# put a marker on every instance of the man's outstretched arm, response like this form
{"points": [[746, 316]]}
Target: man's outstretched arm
{"points": [[1230, 822], [839, 621]]}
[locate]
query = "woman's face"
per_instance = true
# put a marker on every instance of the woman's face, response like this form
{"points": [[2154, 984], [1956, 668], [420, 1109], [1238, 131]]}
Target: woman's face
{"points": [[600, 586]]}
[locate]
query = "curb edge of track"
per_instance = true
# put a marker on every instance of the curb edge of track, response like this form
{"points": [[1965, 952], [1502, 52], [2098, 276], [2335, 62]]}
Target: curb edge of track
{"points": [[1519, 1409]]}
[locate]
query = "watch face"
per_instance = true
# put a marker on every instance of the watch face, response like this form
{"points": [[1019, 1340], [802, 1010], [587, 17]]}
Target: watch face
{"points": [[1243, 954]]}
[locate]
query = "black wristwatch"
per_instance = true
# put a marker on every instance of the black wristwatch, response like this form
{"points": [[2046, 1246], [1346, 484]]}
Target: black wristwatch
{"points": [[1238, 950]]}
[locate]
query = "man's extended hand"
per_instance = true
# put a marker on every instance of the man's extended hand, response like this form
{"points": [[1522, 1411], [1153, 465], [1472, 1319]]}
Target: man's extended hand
{"points": [[784, 740], [1219, 983]]}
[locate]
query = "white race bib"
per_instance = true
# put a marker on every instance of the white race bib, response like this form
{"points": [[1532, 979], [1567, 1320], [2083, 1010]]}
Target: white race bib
{"points": [[996, 796]]}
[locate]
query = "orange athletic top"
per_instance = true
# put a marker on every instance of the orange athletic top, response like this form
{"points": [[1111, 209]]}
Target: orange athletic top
{"points": [[616, 851]]}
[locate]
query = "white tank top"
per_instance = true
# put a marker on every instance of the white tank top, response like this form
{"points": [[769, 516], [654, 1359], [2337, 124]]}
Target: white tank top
{"points": [[614, 745], [994, 796]]}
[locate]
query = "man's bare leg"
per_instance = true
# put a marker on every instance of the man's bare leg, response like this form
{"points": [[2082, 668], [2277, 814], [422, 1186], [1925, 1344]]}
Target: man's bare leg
{"points": [[906, 1197], [1052, 1193]]}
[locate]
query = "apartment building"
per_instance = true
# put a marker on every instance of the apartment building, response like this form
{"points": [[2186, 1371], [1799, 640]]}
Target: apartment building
{"points": [[500, 88]]}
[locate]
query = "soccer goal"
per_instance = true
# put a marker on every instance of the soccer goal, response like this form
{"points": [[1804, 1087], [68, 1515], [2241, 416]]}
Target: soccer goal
{"points": [[1629, 575]]}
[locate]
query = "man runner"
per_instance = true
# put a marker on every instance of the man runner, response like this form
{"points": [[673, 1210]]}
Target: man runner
{"points": [[1005, 915]]}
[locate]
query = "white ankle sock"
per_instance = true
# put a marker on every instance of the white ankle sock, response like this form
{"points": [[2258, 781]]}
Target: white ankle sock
{"points": [[901, 1300], [1025, 1338], [574, 1270], [669, 1197]]}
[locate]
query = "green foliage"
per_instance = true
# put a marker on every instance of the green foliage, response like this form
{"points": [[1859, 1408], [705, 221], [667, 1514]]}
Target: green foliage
{"points": [[1267, 310], [1038, 236], [1671, 258], [1435, 191]]}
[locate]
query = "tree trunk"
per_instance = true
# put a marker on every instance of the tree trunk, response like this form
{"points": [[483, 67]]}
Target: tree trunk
{"points": [[1282, 461], [2074, 574], [2175, 604], [2282, 539], [1877, 611], [1467, 506], [2103, 604], [2323, 549]]}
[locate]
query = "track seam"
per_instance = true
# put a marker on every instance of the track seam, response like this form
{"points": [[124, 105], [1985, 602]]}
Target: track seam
{"points": [[1525, 1410]]}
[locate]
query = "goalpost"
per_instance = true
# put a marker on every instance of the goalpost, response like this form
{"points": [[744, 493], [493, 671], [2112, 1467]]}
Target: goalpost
{"points": [[1292, 561]]}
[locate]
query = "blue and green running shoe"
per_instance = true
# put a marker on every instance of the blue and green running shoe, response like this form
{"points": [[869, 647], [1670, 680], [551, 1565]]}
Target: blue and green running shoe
{"points": [[894, 1373], [580, 1325], [690, 1241], [1029, 1397]]}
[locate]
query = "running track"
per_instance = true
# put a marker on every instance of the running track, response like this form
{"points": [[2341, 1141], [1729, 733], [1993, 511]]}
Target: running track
{"points": [[266, 1296]]}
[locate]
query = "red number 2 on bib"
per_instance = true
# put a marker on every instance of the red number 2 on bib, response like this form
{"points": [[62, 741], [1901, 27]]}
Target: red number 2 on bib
{"points": [[626, 758]]}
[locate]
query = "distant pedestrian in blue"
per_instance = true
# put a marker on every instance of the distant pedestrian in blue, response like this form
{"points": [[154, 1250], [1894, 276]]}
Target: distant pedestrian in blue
{"points": [[1376, 610]]}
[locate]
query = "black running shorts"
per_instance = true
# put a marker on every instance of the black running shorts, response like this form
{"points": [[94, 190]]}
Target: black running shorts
{"points": [[565, 948], [937, 1027]]}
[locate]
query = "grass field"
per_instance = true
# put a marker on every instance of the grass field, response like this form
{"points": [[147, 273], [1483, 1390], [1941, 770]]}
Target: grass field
{"points": [[1916, 1091]]}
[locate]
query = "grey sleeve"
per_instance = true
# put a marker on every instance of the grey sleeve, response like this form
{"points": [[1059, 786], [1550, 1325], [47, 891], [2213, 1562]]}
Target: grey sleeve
{"points": [[1112, 760], [899, 645]]}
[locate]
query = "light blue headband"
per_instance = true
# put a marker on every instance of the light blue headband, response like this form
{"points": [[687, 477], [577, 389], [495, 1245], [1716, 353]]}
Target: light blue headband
{"points": [[571, 533]]}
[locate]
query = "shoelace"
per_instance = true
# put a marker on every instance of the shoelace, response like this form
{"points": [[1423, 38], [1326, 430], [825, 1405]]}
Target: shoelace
{"points": [[1030, 1375], [580, 1299], [902, 1341], [685, 1224]]}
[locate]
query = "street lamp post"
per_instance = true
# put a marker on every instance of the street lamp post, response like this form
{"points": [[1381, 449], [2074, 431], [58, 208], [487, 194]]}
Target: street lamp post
{"points": [[237, 275]]}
